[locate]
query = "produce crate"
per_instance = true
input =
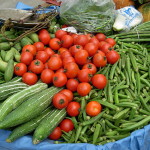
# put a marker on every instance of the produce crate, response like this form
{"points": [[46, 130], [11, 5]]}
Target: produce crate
{"points": [[138, 140]]}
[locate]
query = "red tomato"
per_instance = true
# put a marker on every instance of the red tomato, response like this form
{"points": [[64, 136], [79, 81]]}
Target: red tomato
{"points": [[100, 36], [95, 41], [75, 48], [60, 33], [89, 36], [91, 67], [99, 81], [60, 70], [42, 55], [102, 53], [37, 66], [112, 57], [74, 36], [81, 57], [83, 88], [67, 60], [101, 44], [46, 65], [44, 38], [84, 75], [59, 79], [71, 69], [60, 100], [65, 54], [26, 58], [54, 63], [39, 46], [49, 51], [29, 48], [20, 69], [91, 48], [68, 93], [72, 84], [93, 108], [66, 125], [29, 78], [67, 41], [55, 44], [56, 134], [106, 48], [62, 49], [73, 109], [111, 41], [99, 60], [47, 76], [42, 31], [81, 40]]}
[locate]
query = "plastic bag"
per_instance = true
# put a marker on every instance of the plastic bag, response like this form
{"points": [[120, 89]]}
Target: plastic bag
{"points": [[89, 15]]}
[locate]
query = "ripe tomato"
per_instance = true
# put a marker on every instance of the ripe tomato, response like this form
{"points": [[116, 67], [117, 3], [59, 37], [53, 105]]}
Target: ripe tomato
{"points": [[42, 31], [29, 78], [99, 60], [46, 65], [71, 69], [99, 81], [101, 44], [81, 40], [81, 57], [67, 60], [56, 134], [84, 75], [37, 66], [106, 48], [62, 49], [29, 48], [60, 70], [60, 100], [39, 46], [67, 41], [91, 48], [60, 33], [102, 53], [100, 36], [44, 38], [74, 36], [54, 63], [89, 36], [47, 76], [66, 125], [26, 58], [111, 41], [112, 57], [83, 88], [95, 41], [59, 79], [20, 69], [75, 48], [55, 43], [93, 108], [65, 54], [42, 55], [73, 109], [72, 84], [68, 93], [49, 51], [91, 67]]}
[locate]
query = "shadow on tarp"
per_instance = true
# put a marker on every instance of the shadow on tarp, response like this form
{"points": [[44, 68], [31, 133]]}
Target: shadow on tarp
{"points": [[138, 140]]}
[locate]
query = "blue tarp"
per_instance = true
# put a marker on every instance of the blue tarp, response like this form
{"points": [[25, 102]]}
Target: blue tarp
{"points": [[139, 140]]}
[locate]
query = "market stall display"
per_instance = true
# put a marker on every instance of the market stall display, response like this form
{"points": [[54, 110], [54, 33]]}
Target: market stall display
{"points": [[90, 87]]}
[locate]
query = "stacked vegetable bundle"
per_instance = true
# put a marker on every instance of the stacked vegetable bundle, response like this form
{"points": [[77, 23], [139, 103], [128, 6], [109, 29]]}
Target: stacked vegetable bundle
{"points": [[87, 92]]}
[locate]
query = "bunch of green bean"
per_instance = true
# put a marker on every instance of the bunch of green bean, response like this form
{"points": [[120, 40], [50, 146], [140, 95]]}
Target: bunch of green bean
{"points": [[125, 100]]}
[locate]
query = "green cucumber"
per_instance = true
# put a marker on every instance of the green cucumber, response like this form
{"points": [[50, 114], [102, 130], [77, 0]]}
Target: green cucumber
{"points": [[11, 87], [18, 46], [3, 65], [16, 79], [48, 124], [34, 37], [10, 54], [3, 39], [9, 71], [25, 41], [30, 109], [29, 40], [3, 54], [5, 46], [16, 99], [27, 127]]}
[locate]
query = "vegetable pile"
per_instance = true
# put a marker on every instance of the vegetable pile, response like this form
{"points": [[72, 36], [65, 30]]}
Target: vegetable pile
{"points": [[75, 88]]}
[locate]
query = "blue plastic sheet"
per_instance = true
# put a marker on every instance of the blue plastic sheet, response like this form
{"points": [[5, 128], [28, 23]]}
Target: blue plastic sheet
{"points": [[138, 140]]}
